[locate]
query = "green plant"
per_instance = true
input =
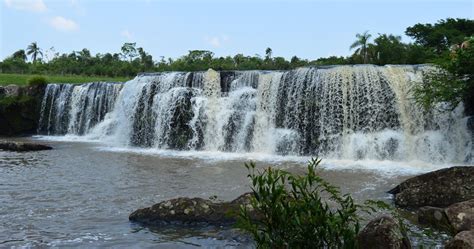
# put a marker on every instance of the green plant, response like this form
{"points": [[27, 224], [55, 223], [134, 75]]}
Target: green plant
{"points": [[452, 82], [292, 211], [37, 81]]}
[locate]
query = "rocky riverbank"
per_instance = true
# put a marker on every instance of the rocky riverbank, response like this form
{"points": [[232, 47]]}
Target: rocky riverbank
{"points": [[442, 199], [20, 109]]}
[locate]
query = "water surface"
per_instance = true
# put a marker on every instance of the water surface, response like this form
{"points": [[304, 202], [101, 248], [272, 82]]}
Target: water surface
{"points": [[81, 193]]}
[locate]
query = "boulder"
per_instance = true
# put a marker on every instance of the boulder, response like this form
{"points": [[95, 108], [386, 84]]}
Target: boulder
{"points": [[435, 217], [191, 211], [439, 188], [22, 147], [382, 233], [462, 240], [461, 216]]}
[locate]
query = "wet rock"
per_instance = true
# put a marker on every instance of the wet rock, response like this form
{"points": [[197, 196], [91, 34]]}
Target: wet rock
{"points": [[22, 147], [461, 215], [384, 233], [435, 217], [439, 188], [20, 109], [190, 211], [462, 240], [12, 90]]}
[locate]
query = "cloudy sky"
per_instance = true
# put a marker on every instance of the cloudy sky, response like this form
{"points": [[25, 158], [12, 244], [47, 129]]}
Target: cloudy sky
{"points": [[308, 29]]}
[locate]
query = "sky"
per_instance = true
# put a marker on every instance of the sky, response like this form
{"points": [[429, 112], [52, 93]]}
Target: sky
{"points": [[170, 28]]}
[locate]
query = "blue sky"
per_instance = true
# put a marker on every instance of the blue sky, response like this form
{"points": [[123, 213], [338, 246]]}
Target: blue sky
{"points": [[308, 29]]}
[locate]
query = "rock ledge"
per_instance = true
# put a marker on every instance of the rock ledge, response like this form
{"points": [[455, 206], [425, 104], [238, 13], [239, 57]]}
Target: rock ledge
{"points": [[22, 146]]}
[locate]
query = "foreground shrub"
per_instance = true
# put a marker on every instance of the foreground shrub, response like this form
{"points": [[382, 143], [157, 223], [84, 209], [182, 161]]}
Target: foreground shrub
{"points": [[293, 212], [37, 81]]}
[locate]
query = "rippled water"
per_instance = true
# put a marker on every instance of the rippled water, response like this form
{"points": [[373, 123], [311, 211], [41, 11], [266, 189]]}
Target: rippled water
{"points": [[81, 193]]}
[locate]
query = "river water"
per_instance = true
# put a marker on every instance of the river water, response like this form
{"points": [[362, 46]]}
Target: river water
{"points": [[80, 193]]}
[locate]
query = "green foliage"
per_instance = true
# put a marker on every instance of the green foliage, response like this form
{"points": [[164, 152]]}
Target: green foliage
{"points": [[361, 45], [293, 212], [440, 36], [389, 49], [37, 81], [34, 51], [129, 50], [452, 82], [439, 86], [20, 54]]}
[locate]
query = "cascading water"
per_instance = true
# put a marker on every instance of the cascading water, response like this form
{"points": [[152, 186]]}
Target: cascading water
{"points": [[352, 112], [75, 109]]}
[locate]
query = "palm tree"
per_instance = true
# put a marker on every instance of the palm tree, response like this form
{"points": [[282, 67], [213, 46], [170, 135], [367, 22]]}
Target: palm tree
{"points": [[34, 51], [361, 44]]}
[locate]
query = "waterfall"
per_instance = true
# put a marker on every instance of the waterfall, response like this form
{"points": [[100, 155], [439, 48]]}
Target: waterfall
{"points": [[350, 112], [75, 109]]}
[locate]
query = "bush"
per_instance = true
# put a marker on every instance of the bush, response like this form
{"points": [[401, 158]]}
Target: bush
{"points": [[37, 81], [452, 82], [293, 214]]}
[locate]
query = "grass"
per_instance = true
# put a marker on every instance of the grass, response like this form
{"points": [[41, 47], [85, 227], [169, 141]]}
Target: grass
{"points": [[22, 79]]}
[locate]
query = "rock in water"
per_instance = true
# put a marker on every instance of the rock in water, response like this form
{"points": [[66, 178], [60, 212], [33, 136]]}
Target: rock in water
{"points": [[435, 217], [22, 147], [454, 219], [191, 210], [462, 240], [382, 233], [461, 215], [439, 188]]}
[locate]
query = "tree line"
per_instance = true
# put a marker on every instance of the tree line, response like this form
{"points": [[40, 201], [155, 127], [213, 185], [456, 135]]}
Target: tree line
{"points": [[433, 43]]}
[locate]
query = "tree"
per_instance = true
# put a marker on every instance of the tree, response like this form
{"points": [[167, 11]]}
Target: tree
{"points": [[389, 49], [129, 50], [442, 34], [20, 54], [453, 82], [145, 59], [268, 54], [34, 51], [361, 44]]}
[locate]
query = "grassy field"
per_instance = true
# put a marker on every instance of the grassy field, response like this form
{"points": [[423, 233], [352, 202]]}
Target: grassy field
{"points": [[22, 79]]}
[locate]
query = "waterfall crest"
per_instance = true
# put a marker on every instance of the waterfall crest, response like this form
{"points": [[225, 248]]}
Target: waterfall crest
{"points": [[351, 112]]}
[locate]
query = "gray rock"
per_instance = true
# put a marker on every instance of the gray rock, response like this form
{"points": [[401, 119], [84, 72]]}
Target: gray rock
{"points": [[461, 215], [190, 211], [462, 240], [435, 217], [382, 233], [13, 90], [439, 188], [22, 147]]}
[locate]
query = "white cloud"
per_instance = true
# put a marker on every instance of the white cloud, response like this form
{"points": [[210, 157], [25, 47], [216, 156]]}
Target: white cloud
{"points": [[217, 41], [63, 24], [28, 5], [125, 33]]}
